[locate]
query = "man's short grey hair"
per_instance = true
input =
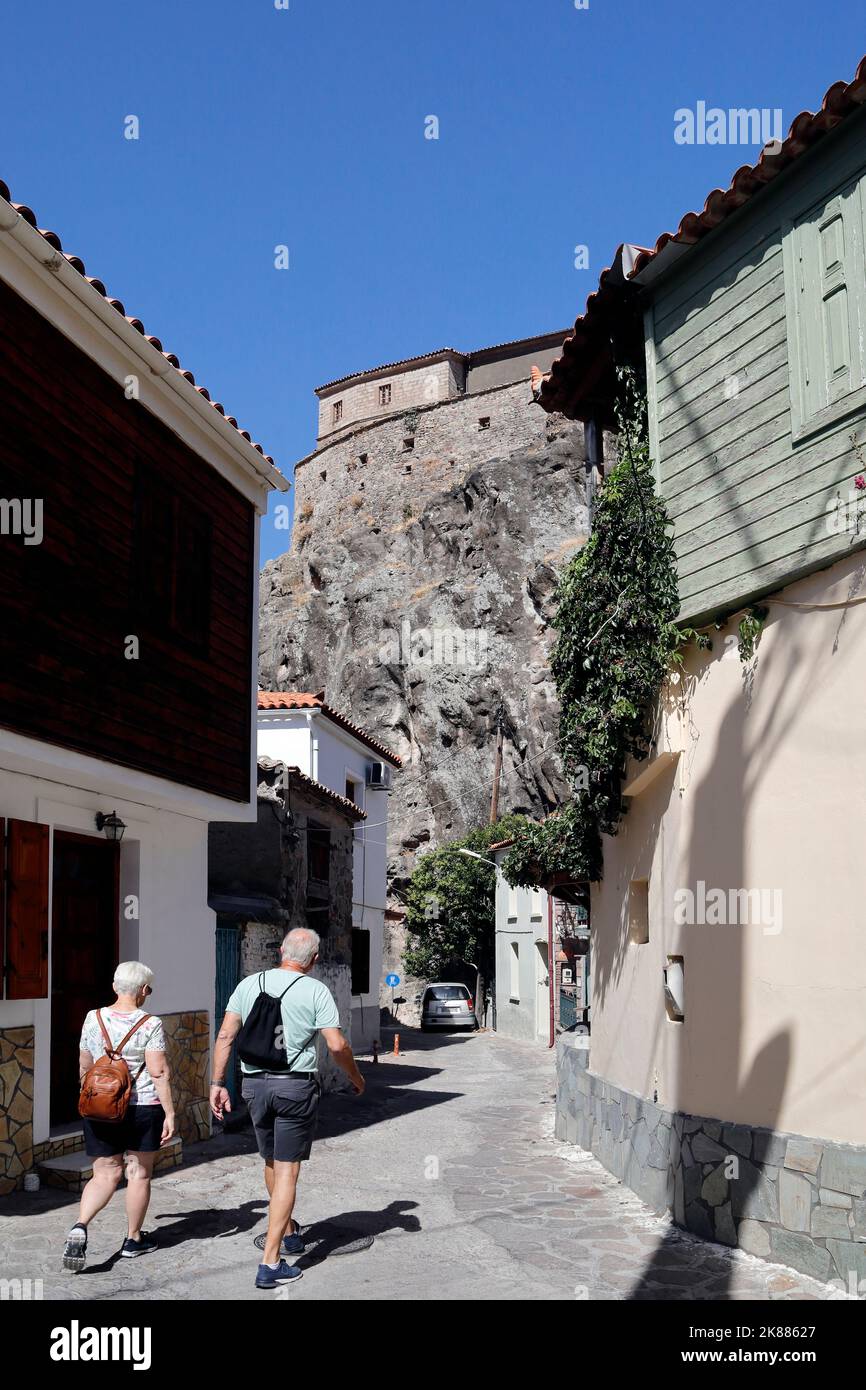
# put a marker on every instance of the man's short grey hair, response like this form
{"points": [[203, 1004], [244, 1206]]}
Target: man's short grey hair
{"points": [[131, 976], [299, 946]]}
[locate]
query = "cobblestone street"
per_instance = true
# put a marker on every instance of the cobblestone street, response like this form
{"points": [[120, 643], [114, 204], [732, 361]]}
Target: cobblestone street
{"points": [[448, 1161]]}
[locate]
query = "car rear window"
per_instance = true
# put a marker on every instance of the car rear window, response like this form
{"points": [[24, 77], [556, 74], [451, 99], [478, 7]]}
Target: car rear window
{"points": [[448, 992]]}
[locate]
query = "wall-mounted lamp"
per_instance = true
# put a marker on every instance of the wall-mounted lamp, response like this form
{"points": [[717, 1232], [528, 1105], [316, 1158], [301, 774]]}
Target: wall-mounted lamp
{"points": [[112, 826]]}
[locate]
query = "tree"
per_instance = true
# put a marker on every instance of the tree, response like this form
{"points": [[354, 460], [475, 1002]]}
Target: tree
{"points": [[451, 905]]}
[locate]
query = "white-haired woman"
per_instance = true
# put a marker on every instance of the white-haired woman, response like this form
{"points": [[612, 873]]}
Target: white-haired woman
{"points": [[149, 1120]]}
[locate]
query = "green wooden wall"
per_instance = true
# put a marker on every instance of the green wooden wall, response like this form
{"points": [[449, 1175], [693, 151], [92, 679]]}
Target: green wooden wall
{"points": [[756, 356]]}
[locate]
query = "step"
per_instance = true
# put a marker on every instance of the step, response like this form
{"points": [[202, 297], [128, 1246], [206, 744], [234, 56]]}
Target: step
{"points": [[72, 1171]]}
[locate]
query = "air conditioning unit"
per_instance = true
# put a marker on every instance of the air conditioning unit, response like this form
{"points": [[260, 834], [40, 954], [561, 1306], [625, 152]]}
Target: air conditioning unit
{"points": [[378, 775]]}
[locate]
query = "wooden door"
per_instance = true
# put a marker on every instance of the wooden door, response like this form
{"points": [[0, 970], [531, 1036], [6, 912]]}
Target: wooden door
{"points": [[84, 921]]}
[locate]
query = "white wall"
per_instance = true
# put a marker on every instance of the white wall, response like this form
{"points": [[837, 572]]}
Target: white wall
{"points": [[521, 918], [164, 864], [309, 740]]}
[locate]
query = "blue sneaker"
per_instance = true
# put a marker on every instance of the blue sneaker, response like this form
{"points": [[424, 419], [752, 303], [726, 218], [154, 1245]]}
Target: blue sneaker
{"points": [[294, 1244], [145, 1245], [268, 1278]]}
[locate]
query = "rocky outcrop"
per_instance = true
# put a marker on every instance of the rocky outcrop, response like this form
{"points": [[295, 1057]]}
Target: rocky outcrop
{"points": [[418, 593]]}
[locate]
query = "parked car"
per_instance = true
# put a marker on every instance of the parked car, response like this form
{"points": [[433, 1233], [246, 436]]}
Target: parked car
{"points": [[447, 1005]]}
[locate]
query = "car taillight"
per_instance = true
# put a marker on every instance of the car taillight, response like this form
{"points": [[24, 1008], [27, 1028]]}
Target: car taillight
{"points": [[470, 1003]]}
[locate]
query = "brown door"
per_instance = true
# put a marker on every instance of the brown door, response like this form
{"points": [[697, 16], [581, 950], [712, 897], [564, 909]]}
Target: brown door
{"points": [[84, 921]]}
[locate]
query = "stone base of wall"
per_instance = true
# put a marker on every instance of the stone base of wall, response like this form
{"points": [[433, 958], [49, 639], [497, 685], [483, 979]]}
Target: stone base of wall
{"points": [[793, 1200], [16, 1106], [188, 1042]]}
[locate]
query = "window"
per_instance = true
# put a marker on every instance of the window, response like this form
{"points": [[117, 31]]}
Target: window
{"points": [[638, 911], [385, 394], [318, 853], [173, 563], [484, 422], [336, 412], [514, 977], [362, 458], [825, 297], [354, 791], [536, 903], [512, 903], [408, 443], [360, 961]]}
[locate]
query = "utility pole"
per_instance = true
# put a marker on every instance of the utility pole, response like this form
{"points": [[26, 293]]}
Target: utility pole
{"points": [[497, 766]]}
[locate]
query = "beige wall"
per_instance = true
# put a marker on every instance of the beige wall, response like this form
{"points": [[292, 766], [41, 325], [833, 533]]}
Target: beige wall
{"points": [[769, 792], [423, 385]]}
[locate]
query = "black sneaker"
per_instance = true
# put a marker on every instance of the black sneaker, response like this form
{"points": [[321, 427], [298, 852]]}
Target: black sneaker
{"points": [[268, 1278], [75, 1250], [294, 1244], [133, 1248]]}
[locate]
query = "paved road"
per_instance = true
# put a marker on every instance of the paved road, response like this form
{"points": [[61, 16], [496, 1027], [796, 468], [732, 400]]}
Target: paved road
{"points": [[449, 1161]]}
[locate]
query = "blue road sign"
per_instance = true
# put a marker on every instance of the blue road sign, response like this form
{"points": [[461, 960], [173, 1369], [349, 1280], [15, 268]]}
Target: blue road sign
{"points": [[392, 980]]}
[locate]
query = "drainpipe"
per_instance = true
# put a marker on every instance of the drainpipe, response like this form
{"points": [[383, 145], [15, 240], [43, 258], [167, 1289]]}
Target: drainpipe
{"points": [[551, 969], [594, 460]]}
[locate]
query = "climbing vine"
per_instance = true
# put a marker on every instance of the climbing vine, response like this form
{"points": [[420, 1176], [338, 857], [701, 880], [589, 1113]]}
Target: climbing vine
{"points": [[749, 630], [616, 607]]}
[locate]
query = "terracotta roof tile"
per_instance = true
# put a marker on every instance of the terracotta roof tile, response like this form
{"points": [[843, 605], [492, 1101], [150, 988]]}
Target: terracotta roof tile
{"points": [[296, 775], [294, 699], [583, 370], [77, 264]]}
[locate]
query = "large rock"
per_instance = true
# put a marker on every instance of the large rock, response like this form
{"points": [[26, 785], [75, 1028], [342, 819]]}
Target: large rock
{"points": [[422, 600]]}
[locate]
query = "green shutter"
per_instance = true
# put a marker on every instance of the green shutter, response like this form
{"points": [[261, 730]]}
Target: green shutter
{"points": [[827, 304]]}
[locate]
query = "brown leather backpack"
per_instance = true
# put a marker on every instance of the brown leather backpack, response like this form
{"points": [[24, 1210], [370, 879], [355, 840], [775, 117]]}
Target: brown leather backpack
{"points": [[106, 1088]]}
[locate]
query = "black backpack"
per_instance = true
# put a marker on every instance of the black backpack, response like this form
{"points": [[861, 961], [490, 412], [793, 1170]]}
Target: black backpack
{"points": [[260, 1040]]}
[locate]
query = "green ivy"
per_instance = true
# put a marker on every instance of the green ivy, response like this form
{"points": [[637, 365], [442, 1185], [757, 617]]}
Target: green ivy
{"points": [[749, 630], [616, 607]]}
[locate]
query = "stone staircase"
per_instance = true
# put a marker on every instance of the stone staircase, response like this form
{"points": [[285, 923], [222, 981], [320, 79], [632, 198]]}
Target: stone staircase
{"points": [[71, 1171]]}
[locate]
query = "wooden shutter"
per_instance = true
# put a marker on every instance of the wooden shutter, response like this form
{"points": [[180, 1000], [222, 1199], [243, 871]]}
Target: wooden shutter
{"points": [[828, 307], [27, 911]]}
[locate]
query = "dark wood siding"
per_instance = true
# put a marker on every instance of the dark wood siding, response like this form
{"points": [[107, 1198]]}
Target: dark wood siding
{"points": [[27, 916], [133, 519]]}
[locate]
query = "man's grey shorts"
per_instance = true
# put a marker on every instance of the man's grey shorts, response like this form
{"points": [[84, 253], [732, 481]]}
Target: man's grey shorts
{"points": [[284, 1110]]}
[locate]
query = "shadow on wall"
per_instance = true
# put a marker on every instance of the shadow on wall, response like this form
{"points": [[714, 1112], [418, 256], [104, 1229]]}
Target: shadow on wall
{"points": [[720, 1185]]}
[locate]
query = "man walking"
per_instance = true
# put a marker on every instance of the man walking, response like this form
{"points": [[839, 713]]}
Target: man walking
{"points": [[284, 1102]]}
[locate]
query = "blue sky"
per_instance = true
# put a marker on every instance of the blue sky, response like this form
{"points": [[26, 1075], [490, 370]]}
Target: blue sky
{"points": [[305, 127]]}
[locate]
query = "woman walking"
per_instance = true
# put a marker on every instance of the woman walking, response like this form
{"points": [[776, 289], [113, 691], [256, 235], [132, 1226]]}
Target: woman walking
{"points": [[149, 1120]]}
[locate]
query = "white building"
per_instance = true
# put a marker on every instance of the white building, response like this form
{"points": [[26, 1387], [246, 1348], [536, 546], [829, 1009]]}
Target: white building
{"points": [[301, 730], [127, 642]]}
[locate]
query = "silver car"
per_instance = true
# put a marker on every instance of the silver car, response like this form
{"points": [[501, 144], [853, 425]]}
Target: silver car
{"points": [[447, 1006]]}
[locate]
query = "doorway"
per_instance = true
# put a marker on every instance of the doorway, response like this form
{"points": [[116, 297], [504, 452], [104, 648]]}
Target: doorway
{"points": [[542, 992], [84, 940]]}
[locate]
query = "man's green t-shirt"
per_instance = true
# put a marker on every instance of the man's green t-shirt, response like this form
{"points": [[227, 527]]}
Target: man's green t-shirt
{"points": [[308, 1006]]}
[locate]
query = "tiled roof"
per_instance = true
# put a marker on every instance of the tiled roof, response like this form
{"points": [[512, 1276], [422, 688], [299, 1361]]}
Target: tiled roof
{"points": [[437, 352], [294, 699], [77, 264], [296, 775], [583, 370]]}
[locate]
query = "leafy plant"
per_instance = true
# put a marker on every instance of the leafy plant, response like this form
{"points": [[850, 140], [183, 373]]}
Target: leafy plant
{"points": [[616, 607], [450, 904], [749, 630]]}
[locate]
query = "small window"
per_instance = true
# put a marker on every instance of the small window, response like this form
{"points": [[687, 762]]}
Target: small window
{"points": [[353, 791], [360, 961], [512, 903], [408, 443], [385, 394], [537, 903], [337, 412], [318, 853], [484, 422], [362, 458], [407, 468], [514, 979], [638, 911]]}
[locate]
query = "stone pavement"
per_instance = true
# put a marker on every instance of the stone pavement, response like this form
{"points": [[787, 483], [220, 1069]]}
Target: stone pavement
{"points": [[449, 1161]]}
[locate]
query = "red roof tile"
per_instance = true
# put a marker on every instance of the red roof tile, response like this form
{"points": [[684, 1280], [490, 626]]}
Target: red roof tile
{"points": [[581, 378], [293, 699], [77, 264]]}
